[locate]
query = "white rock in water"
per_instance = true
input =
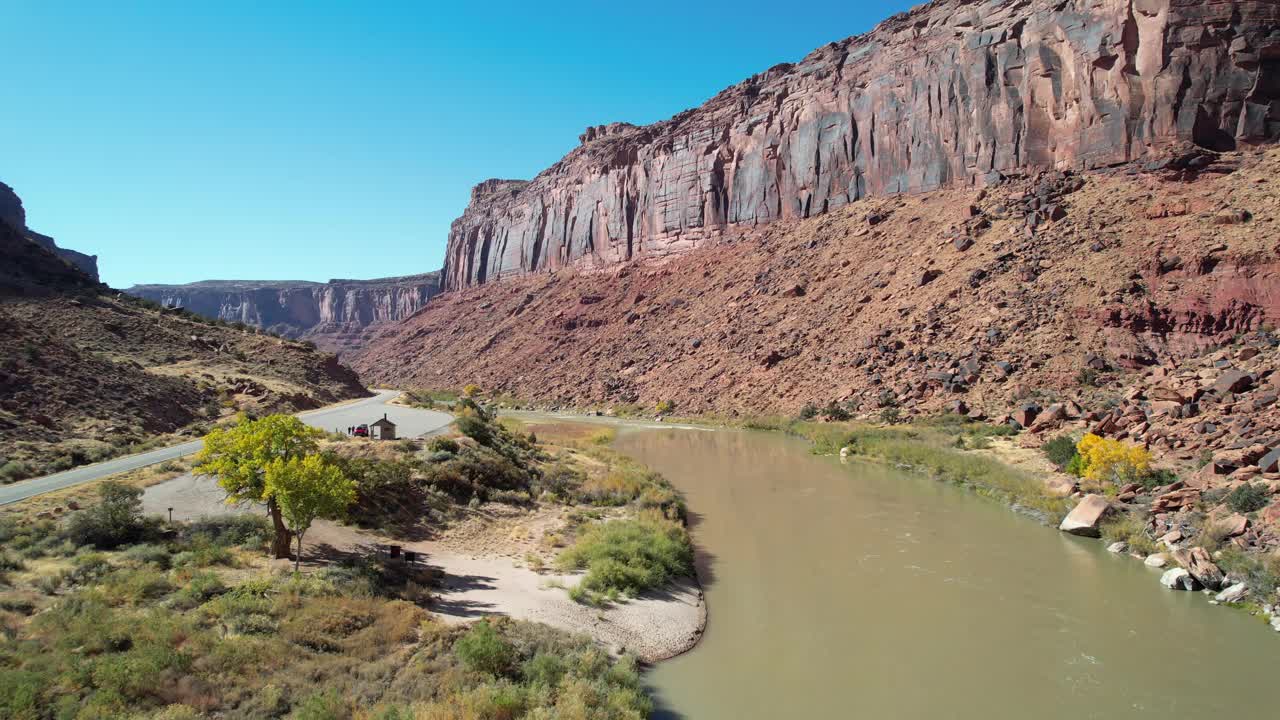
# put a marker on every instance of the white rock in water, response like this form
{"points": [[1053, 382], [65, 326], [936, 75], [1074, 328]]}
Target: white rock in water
{"points": [[1233, 594], [845, 452], [1118, 547], [1156, 560], [1275, 622], [1178, 579]]}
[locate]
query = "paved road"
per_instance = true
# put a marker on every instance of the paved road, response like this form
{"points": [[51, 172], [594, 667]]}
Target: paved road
{"points": [[411, 422]]}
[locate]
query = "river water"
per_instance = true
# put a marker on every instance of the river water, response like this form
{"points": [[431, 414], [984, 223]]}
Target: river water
{"points": [[857, 591]]}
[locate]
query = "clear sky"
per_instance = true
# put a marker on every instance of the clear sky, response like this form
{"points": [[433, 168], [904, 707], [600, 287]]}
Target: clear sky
{"points": [[308, 140]]}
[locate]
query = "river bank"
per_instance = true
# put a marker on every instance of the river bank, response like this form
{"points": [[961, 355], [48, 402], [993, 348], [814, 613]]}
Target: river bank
{"points": [[1001, 463], [857, 584]]}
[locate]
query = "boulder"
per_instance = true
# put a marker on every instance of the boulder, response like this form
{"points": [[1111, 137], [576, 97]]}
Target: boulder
{"points": [[1233, 594], [1196, 560], [1156, 560], [1085, 517], [1233, 381], [1118, 547], [1271, 461], [1234, 525], [1026, 415], [1178, 579], [1175, 500]]}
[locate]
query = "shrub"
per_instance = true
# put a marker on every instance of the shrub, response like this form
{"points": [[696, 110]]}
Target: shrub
{"points": [[116, 519], [471, 390], [135, 586], [835, 412], [146, 554], [1060, 451], [13, 471], [1248, 498], [476, 429], [544, 669], [891, 416], [324, 623], [1260, 571], [198, 590], [443, 444], [326, 705], [809, 411], [1130, 528], [665, 407], [247, 531], [482, 649], [562, 481], [626, 557], [10, 562]]}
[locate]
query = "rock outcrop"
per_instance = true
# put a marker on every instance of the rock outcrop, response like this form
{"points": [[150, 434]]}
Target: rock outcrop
{"points": [[13, 214], [955, 93], [331, 314]]}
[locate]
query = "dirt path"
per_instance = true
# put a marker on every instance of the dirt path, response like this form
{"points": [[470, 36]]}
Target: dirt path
{"points": [[658, 625]]}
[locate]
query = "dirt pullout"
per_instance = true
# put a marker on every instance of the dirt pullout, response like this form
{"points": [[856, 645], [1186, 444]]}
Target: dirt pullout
{"points": [[656, 626]]}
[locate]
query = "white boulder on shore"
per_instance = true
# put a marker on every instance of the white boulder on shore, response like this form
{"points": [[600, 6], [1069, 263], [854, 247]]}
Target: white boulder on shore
{"points": [[1084, 518], [1178, 579], [1233, 594], [1156, 560]]}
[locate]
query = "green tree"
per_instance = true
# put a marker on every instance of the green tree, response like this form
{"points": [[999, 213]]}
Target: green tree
{"points": [[114, 521], [305, 489], [238, 457]]}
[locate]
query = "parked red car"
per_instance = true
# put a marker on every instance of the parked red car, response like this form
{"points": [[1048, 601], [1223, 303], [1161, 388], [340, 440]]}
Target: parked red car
{"points": [[361, 431]]}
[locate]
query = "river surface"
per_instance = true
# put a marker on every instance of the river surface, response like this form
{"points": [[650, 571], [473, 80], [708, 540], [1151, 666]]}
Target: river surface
{"points": [[857, 591]]}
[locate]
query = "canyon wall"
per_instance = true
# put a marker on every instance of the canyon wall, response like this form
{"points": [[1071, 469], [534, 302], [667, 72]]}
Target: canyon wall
{"points": [[955, 93], [331, 313], [15, 215]]}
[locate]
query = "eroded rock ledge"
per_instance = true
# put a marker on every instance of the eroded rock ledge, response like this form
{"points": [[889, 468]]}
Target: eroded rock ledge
{"points": [[955, 93]]}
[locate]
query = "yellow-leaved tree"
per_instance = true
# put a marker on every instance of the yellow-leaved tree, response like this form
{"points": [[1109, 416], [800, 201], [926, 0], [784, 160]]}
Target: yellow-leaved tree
{"points": [[1106, 459], [305, 489], [238, 457]]}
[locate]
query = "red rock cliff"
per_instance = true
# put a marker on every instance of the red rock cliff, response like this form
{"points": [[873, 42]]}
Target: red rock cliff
{"points": [[953, 93]]}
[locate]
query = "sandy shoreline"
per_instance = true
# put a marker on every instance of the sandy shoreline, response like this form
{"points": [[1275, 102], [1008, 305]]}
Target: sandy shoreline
{"points": [[658, 625]]}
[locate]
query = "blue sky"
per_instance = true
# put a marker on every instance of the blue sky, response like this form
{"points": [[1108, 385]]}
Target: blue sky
{"points": [[310, 140]]}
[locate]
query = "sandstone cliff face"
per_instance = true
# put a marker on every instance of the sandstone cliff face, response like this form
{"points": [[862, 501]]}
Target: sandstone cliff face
{"points": [[12, 213], [956, 93], [301, 309]]}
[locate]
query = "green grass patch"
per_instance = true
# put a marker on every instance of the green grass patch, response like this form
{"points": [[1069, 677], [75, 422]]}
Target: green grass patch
{"points": [[930, 449], [626, 557]]}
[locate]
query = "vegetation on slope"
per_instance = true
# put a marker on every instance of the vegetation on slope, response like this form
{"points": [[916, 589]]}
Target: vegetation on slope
{"points": [[112, 615]]}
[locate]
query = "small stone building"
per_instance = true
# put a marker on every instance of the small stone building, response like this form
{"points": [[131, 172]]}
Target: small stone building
{"points": [[384, 429]]}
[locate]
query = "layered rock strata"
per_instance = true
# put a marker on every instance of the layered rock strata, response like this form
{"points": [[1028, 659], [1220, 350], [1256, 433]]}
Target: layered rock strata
{"points": [[955, 93]]}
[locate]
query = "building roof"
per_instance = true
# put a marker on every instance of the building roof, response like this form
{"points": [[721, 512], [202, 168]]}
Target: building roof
{"points": [[384, 423]]}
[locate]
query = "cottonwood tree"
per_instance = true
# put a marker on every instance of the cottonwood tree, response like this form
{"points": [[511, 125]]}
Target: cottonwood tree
{"points": [[305, 489], [240, 455]]}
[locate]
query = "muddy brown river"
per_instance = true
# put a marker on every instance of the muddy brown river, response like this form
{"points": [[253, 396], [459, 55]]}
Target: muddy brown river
{"points": [[857, 591]]}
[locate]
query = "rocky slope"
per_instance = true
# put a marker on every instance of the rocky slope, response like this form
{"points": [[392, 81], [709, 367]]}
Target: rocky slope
{"points": [[13, 214], [334, 315], [87, 372], [994, 297], [954, 94]]}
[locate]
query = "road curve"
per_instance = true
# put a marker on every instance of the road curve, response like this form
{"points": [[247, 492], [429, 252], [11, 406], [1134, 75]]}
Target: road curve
{"points": [[410, 422]]}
